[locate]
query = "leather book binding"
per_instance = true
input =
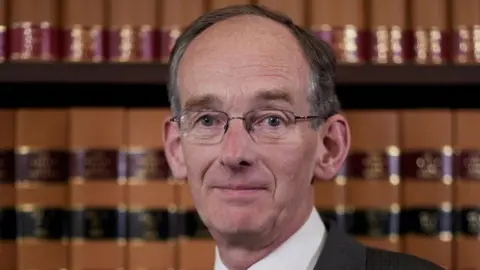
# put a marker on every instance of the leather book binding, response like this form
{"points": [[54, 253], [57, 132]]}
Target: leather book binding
{"points": [[151, 193], [173, 17], [83, 34], [3, 30], [391, 39], [427, 180], [215, 4], [430, 27], [8, 220], [373, 179], [342, 24], [467, 190], [132, 30], [33, 31], [97, 188], [466, 31], [41, 161], [293, 9]]}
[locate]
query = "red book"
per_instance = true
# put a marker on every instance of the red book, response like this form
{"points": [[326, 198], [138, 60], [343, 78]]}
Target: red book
{"points": [[34, 30]]}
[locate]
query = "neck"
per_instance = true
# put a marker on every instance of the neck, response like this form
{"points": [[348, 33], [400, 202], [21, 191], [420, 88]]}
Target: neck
{"points": [[243, 252]]}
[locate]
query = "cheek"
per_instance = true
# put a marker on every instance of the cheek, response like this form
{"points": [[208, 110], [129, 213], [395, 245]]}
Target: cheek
{"points": [[197, 160], [292, 167]]}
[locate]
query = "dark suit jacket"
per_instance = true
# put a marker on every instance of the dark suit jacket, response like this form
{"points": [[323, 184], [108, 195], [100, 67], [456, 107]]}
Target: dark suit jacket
{"points": [[343, 252]]}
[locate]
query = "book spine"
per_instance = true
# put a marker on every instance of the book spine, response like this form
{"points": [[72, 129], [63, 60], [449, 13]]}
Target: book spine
{"points": [[3, 30], [151, 195], [372, 167], [8, 220], [216, 4], [83, 34], [41, 161], [133, 30], [342, 24], [173, 18], [293, 9], [431, 36], [427, 165], [466, 31], [194, 239], [390, 37], [466, 190], [97, 188], [33, 30]]}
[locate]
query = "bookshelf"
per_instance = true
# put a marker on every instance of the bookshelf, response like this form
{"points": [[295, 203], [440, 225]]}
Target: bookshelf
{"points": [[156, 73], [364, 86]]}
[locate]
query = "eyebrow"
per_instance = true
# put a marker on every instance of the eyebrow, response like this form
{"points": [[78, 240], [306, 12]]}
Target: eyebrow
{"points": [[201, 102], [277, 94], [210, 101]]}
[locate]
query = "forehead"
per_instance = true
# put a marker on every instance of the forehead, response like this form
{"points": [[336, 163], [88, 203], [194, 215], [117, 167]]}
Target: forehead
{"points": [[241, 60]]}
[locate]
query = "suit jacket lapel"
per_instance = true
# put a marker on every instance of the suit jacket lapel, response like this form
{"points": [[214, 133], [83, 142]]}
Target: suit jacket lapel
{"points": [[340, 251]]}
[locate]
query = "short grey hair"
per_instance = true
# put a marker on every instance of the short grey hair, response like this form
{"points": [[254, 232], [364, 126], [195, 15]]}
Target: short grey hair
{"points": [[320, 57]]}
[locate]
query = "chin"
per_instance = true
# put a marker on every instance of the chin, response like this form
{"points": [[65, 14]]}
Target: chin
{"points": [[238, 219]]}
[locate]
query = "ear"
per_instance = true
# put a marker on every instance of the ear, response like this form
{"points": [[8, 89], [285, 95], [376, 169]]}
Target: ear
{"points": [[333, 148], [173, 149]]}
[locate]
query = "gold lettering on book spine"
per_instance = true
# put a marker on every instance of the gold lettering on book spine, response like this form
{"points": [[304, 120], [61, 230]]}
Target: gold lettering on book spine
{"points": [[476, 43], [421, 47], [473, 221], [472, 163], [349, 43], [84, 43], [382, 45], [464, 44], [388, 45], [436, 46], [373, 166]]}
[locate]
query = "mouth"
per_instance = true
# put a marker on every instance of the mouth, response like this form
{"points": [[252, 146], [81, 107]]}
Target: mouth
{"points": [[240, 191]]}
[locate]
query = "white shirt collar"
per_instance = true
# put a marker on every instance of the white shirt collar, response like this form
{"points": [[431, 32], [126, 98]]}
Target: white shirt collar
{"points": [[300, 251]]}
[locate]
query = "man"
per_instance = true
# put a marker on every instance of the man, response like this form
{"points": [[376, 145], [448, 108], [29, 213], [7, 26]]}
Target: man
{"points": [[256, 119]]}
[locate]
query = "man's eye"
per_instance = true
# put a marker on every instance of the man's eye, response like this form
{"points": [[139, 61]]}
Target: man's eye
{"points": [[207, 120], [273, 121]]}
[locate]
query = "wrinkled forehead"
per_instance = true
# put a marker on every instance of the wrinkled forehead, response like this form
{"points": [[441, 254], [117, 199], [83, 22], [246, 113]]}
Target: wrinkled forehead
{"points": [[241, 63]]}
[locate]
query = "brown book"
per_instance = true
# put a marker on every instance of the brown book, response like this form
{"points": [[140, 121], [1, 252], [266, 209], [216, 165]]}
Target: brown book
{"points": [[341, 23], [151, 197], [294, 9], [173, 17], [8, 226], [83, 23], [467, 190], [430, 30], [132, 30], [426, 171], [34, 31], [97, 193], [42, 188], [372, 167], [3, 30], [196, 247], [215, 4], [466, 31], [391, 38]]}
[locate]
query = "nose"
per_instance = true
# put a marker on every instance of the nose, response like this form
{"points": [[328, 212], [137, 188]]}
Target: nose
{"points": [[237, 147]]}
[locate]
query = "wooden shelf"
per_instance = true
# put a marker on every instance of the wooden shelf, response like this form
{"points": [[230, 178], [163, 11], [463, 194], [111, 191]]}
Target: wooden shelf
{"points": [[143, 85], [156, 73]]}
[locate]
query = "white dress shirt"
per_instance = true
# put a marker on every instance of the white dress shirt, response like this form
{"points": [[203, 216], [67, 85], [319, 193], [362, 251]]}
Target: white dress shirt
{"points": [[299, 252]]}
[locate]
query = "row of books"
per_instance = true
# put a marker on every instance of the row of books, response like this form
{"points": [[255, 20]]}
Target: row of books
{"points": [[89, 188], [360, 31]]}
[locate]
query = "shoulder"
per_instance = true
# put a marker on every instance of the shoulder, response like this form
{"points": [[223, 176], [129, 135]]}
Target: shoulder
{"points": [[383, 259]]}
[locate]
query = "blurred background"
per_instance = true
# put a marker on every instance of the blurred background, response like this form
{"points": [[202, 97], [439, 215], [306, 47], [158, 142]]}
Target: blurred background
{"points": [[83, 179]]}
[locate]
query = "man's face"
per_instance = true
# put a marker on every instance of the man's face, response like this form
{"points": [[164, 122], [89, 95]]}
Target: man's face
{"points": [[240, 185]]}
